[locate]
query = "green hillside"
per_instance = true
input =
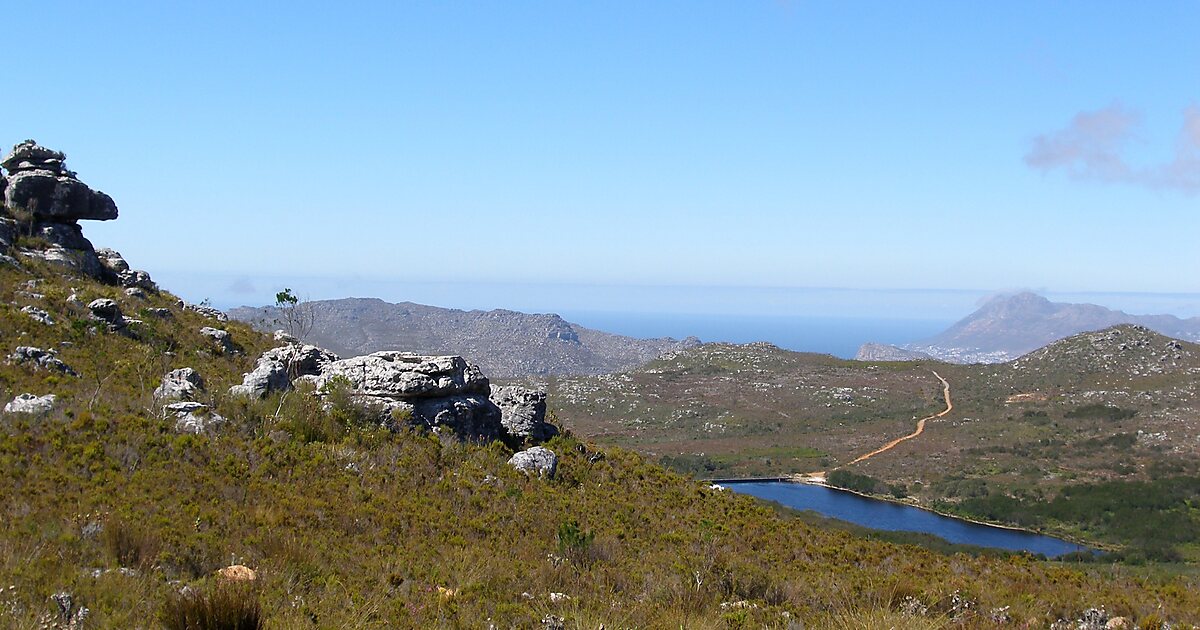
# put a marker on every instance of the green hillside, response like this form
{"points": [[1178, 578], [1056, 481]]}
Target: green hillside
{"points": [[352, 526]]}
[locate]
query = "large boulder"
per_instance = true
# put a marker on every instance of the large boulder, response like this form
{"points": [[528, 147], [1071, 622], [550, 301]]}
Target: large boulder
{"points": [[182, 384], [523, 412], [107, 311], [278, 367], [443, 393], [115, 264], [221, 339], [31, 404], [404, 375], [538, 460], [40, 188]]}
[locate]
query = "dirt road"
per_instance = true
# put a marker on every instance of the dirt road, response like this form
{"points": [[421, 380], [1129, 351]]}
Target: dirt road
{"points": [[920, 424]]}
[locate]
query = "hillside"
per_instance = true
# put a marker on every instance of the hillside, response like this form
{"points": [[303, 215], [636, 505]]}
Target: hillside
{"points": [[504, 343], [289, 489], [1008, 326], [1116, 406]]}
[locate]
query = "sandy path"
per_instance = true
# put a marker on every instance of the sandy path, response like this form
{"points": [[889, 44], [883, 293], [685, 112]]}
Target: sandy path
{"points": [[920, 425]]}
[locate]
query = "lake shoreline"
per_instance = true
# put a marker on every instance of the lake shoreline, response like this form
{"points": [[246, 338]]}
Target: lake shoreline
{"points": [[1086, 545]]}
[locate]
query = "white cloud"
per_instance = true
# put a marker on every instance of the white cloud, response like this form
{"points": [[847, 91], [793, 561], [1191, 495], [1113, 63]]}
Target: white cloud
{"points": [[1092, 147]]}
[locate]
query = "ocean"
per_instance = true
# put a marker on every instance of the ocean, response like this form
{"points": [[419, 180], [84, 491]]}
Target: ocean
{"points": [[839, 336]]}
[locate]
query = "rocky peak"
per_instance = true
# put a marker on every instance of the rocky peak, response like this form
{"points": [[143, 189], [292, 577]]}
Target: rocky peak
{"points": [[41, 203], [31, 156], [39, 187]]}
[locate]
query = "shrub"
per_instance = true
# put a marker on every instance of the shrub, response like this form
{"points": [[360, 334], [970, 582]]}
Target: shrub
{"points": [[130, 546], [575, 544], [1103, 412], [226, 606]]}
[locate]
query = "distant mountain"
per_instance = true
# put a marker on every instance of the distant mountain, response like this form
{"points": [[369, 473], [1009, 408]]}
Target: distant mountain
{"points": [[503, 343], [1009, 326], [884, 352]]}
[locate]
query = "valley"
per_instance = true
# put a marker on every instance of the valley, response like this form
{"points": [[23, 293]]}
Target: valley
{"points": [[1118, 406]]}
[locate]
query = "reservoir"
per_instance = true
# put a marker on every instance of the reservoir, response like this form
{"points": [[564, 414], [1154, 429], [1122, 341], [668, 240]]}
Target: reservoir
{"points": [[877, 514]]}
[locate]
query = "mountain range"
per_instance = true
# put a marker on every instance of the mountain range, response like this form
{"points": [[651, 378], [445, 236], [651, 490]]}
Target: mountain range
{"points": [[1008, 326], [504, 343]]}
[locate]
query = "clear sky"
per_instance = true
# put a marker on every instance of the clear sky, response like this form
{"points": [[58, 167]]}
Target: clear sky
{"points": [[871, 145]]}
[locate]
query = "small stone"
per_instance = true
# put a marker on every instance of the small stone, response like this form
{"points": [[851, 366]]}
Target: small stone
{"points": [[38, 315], [238, 573], [222, 338]]}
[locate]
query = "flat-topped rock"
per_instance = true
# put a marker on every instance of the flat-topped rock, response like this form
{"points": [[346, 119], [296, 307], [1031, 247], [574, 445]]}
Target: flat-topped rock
{"points": [[405, 375]]}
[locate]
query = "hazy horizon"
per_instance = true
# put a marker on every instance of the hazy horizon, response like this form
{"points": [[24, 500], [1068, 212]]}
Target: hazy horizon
{"points": [[877, 147], [228, 291]]}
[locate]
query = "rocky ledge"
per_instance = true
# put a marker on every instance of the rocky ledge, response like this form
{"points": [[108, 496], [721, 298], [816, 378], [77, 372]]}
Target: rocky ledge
{"points": [[445, 394]]}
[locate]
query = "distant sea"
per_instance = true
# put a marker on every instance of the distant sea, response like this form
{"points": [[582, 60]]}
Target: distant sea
{"points": [[839, 336]]}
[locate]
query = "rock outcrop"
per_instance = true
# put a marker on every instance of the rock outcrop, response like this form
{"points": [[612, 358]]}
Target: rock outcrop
{"points": [[523, 412], [38, 315], [40, 359], [405, 375], [440, 393], [221, 339], [112, 260], [207, 311], [40, 185], [192, 417], [182, 384], [43, 201], [277, 367]]}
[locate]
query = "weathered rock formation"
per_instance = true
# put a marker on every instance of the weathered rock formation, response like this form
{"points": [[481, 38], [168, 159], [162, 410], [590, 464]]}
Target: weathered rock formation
{"points": [[39, 359], [40, 185], [441, 393], [277, 367], [44, 202], [523, 412], [221, 339], [182, 384], [192, 417]]}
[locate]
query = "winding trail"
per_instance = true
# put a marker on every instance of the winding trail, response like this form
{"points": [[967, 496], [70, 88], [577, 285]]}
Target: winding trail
{"points": [[920, 425], [818, 477]]}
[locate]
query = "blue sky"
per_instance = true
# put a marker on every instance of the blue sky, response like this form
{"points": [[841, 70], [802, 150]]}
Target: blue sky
{"points": [[370, 147]]}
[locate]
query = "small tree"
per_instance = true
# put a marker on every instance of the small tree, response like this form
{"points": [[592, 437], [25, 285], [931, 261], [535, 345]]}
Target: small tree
{"points": [[295, 315]]}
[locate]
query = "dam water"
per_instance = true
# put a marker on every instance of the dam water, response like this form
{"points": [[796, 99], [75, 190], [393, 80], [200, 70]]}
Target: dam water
{"points": [[876, 514]]}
